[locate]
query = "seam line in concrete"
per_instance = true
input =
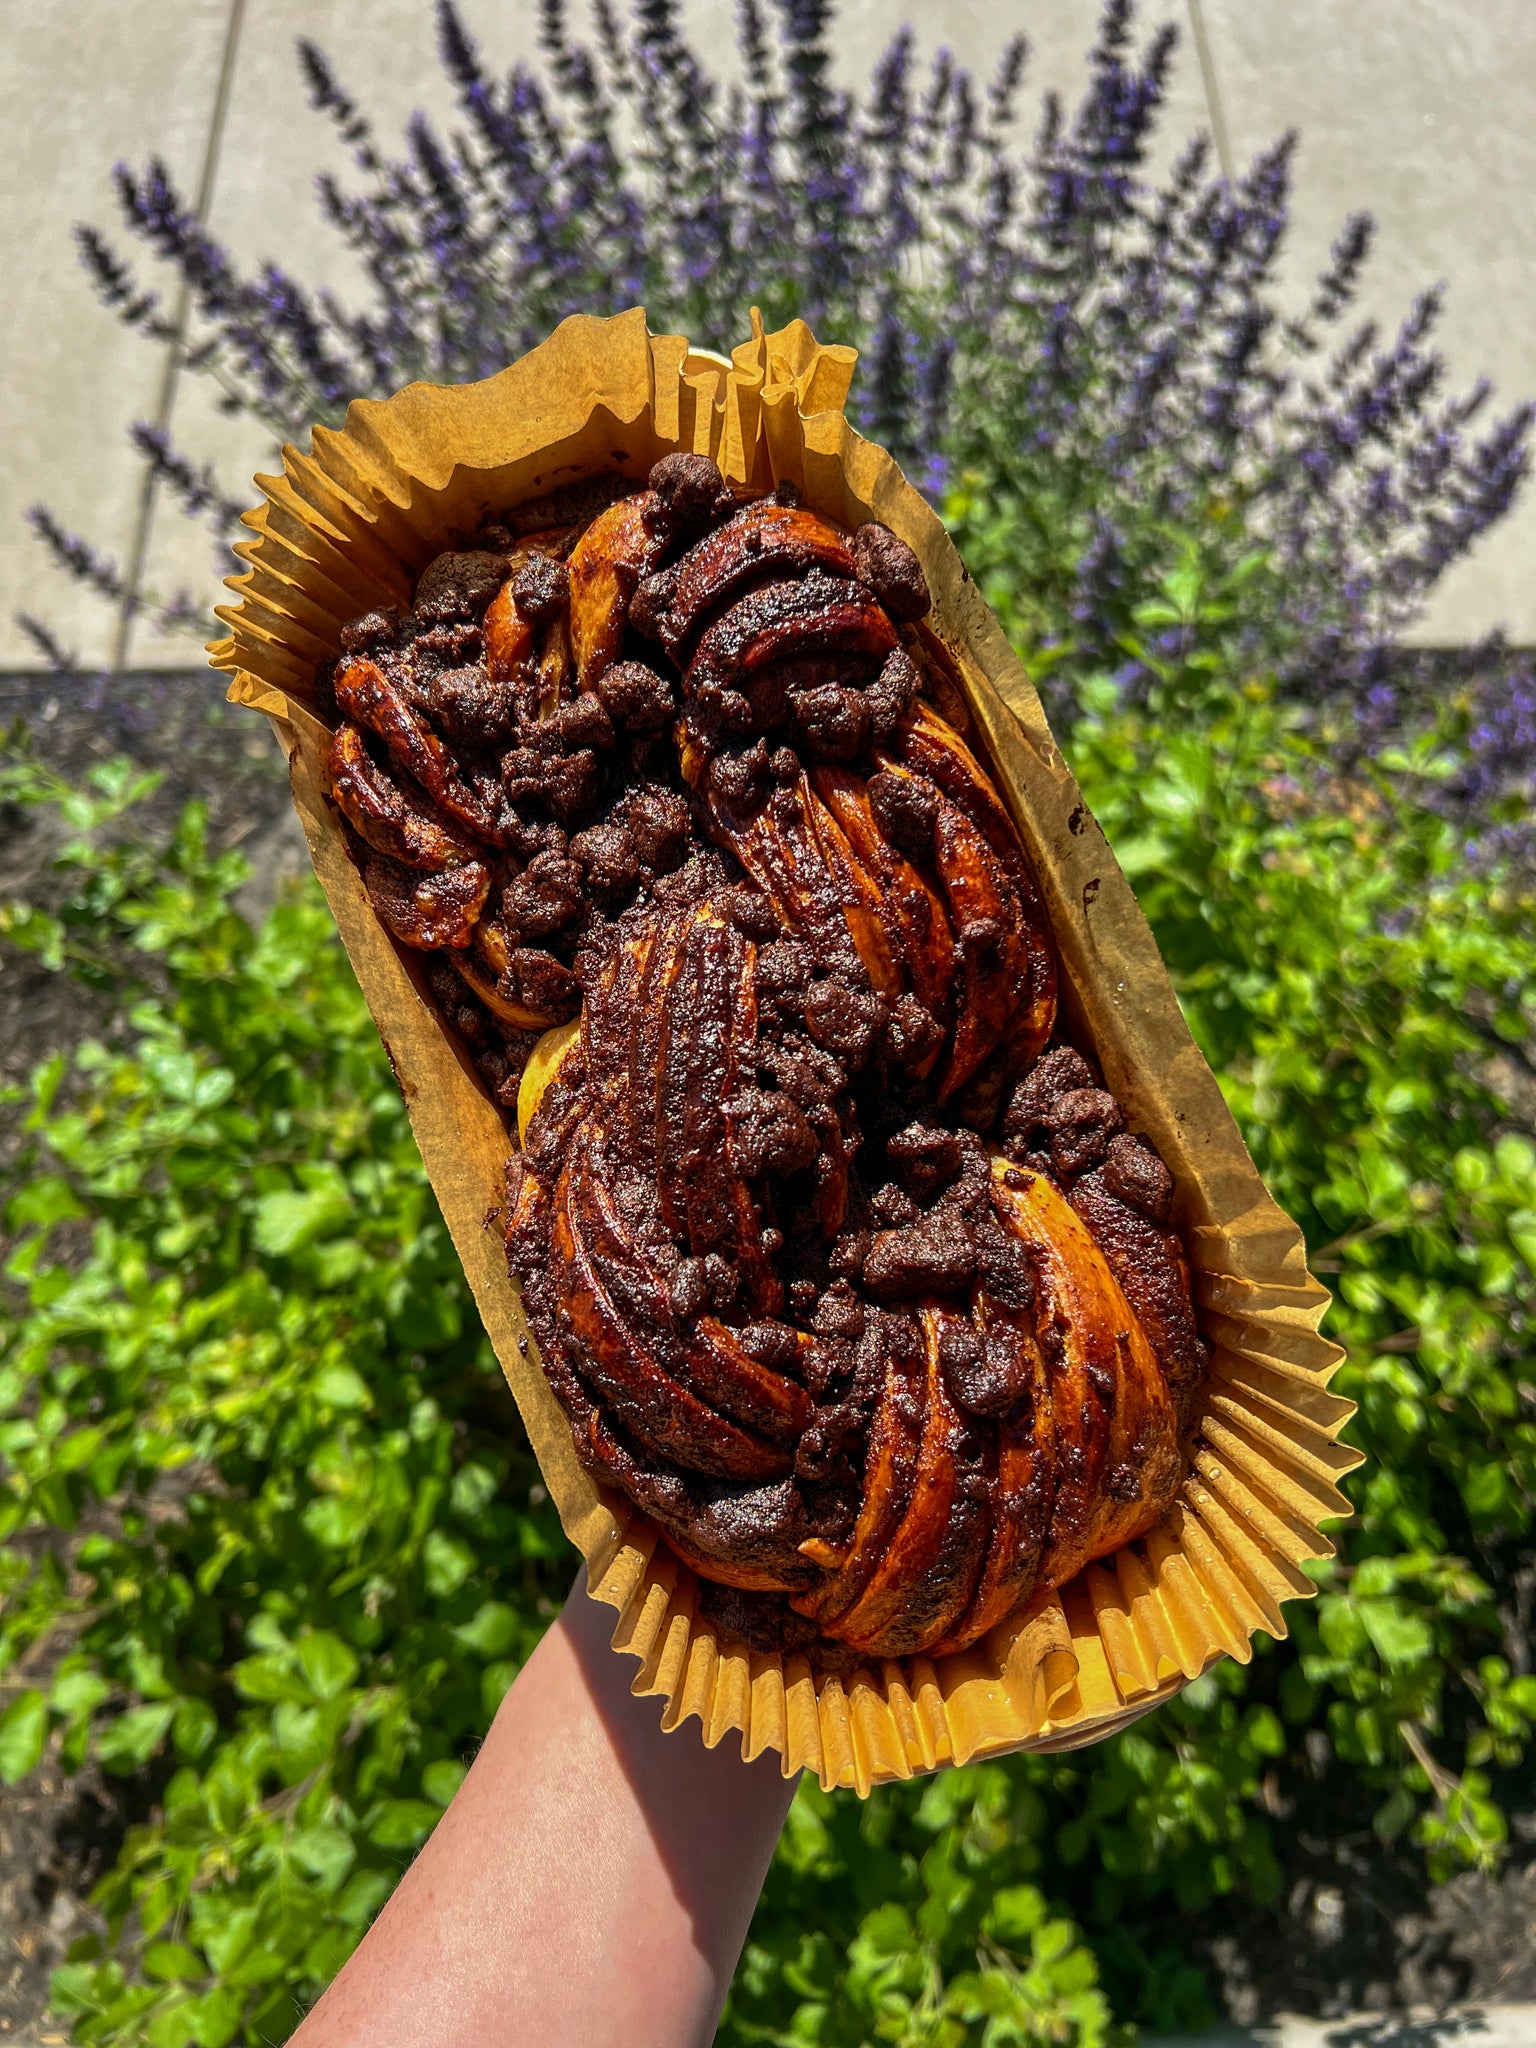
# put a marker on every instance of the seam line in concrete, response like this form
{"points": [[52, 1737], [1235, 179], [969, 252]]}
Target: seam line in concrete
{"points": [[1213, 101], [181, 311]]}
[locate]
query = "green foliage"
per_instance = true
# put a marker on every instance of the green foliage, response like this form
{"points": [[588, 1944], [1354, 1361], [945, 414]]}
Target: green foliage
{"points": [[1167, 1814], [1183, 598], [1351, 983], [910, 1919], [296, 1549], [263, 1488]]}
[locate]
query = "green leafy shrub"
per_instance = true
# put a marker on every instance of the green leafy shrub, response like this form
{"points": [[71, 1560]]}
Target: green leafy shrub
{"points": [[262, 1479], [296, 1547], [1355, 987], [1331, 971], [293, 1544], [910, 1918]]}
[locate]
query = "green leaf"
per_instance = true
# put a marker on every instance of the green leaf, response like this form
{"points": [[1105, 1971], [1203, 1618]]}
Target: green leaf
{"points": [[194, 1726], [171, 1962], [401, 1823], [129, 1741], [337, 1524], [495, 1682], [1394, 1814], [76, 1988], [324, 1853], [46, 1200], [228, 1938], [1264, 1733], [447, 1563], [472, 1491], [170, 2026], [1015, 1913], [1398, 1635], [23, 1732], [271, 1677], [78, 1690], [285, 1223], [328, 1664], [887, 1931], [441, 1780], [1343, 1627], [340, 1387], [491, 1632], [216, 2016]]}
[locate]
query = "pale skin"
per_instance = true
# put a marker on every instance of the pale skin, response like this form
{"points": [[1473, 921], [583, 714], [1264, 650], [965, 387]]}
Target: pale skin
{"points": [[590, 1886]]}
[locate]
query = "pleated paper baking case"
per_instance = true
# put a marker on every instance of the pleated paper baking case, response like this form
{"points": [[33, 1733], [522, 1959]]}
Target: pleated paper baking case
{"points": [[346, 528]]}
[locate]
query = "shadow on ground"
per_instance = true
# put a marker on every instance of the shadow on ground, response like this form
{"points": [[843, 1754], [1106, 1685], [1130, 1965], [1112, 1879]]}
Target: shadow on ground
{"points": [[1475, 2026]]}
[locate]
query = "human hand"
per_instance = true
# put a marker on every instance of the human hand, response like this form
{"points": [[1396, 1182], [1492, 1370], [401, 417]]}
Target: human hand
{"points": [[591, 1884]]}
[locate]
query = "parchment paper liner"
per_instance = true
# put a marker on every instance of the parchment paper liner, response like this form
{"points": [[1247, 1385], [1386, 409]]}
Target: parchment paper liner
{"points": [[345, 528]]}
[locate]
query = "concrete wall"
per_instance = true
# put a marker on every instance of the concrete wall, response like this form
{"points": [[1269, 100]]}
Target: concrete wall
{"points": [[1422, 110]]}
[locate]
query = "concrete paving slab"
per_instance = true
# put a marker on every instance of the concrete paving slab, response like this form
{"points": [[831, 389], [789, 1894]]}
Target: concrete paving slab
{"points": [[1423, 112], [80, 87], [1472, 2026]]}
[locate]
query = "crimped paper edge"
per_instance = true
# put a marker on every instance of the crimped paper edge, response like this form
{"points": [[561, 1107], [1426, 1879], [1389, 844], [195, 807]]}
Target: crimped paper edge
{"points": [[368, 506]]}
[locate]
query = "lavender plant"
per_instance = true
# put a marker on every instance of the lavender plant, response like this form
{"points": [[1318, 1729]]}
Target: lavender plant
{"points": [[1087, 367]]}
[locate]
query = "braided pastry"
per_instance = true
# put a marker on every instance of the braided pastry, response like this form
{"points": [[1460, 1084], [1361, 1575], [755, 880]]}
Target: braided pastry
{"points": [[843, 1264]]}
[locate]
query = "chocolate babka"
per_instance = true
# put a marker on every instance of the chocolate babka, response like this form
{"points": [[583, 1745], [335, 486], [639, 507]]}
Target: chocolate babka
{"points": [[841, 1260]]}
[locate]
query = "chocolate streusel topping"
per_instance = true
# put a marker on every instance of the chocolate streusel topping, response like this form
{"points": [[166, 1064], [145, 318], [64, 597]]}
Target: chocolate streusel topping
{"points": [[843, 1263]]}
